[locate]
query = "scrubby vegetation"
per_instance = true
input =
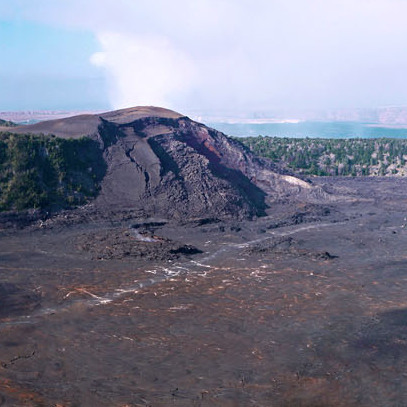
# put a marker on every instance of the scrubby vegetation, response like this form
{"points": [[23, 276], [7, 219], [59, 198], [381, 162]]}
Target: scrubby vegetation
{"points": [[345, 157], [7, 123], [48, 172]]}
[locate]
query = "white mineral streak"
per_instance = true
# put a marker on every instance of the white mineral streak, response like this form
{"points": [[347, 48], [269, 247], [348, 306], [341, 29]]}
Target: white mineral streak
{"points": [[296, 181]]}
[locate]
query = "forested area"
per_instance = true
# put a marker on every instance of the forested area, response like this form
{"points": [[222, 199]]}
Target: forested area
{"points": [[345, 157], [7, 123], [45, 171]]}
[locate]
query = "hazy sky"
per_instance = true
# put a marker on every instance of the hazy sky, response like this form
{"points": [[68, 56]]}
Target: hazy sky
{"points": [[202, 54]]}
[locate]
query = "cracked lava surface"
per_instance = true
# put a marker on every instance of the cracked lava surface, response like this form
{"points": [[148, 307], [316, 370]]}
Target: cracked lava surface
{"points": [[308, 314]]}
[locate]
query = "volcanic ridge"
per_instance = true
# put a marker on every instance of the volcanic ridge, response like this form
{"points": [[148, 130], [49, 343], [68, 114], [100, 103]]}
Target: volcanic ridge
{"points": [[161, 163]]}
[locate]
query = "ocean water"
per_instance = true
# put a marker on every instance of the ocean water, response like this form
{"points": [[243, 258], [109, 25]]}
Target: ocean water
{"points": [[309, 129]]}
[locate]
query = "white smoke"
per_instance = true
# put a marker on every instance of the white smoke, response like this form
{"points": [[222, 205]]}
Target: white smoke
{"points": [[143, 70], [240, 54]]}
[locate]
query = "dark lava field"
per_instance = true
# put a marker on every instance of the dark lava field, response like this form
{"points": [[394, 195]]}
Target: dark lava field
{"points": [[304, 307]]}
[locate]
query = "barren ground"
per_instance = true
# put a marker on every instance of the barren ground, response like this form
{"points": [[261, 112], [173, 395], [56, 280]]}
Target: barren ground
{"points": [[302, 311]]}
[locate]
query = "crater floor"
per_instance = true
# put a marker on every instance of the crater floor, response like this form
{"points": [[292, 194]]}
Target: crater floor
{"points": [[305, 307]]}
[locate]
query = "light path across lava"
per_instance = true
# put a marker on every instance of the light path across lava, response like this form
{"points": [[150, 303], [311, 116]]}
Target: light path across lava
{"points": [[289, 230], [160, 274]]}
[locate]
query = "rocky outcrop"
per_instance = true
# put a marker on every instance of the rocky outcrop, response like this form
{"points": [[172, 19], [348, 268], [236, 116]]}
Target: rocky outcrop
{"points": [[130, 243], [161, 163]]}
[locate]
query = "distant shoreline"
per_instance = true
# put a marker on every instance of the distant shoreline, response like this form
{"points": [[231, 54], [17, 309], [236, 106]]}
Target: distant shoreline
{"points": [[312, 129], [240, 127], [387, 126], [29, 116]]}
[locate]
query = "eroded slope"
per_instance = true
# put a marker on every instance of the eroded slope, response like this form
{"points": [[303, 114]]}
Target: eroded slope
{"points": [[160, 163]]}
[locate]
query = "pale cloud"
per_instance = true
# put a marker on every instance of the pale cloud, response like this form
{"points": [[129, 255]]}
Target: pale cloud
{"points": [[143, 70], [99, 59], [239, 53]]}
